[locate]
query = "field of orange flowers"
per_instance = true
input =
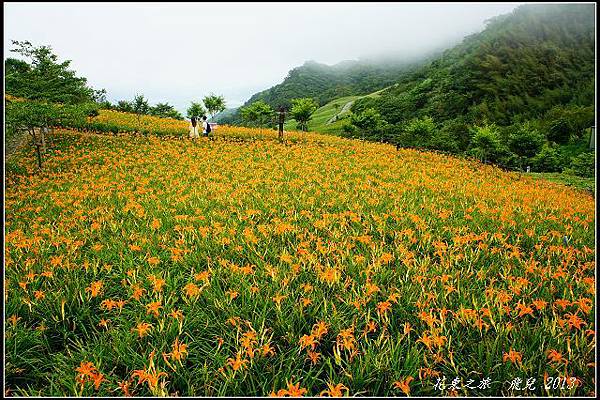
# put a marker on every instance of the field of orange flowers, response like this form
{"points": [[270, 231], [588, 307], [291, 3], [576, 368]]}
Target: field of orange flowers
{"points": [[116, 121], [319, 266]]}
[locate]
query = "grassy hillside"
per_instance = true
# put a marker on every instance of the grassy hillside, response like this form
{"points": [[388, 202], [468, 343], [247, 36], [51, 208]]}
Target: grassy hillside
{"points": [[324, 121], [151, 265], [587, 184]]}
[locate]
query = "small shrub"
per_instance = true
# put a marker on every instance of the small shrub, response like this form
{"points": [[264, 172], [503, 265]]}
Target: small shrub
{"points": [[582, 165], [548, 159]]}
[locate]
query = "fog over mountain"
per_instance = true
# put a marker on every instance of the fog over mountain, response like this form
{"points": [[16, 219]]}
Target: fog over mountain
{"points": [[181, 52]]}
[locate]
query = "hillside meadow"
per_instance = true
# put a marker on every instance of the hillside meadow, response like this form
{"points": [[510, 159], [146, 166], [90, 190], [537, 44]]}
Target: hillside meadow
{"points": [[239, 265]]}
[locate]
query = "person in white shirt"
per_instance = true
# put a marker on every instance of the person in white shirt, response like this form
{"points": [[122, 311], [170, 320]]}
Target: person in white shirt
{"points": [[205, 129]]}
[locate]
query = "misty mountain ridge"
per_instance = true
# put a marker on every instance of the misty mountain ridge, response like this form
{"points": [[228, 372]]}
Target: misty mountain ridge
{"points": [[519, 67], [348, 77]]}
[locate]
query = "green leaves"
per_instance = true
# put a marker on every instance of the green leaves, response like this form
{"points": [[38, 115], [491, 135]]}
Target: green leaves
{"points": [[42, 77], [140, 105], [165, 110], [485, 142], [368, 124], [257, 114], [535, 64], [214, 104], [302, 111], [195, 110], [26, 115]]}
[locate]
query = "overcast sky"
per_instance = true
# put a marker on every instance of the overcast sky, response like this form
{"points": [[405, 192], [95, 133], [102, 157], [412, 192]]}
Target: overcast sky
{"points": [[179, 52]]}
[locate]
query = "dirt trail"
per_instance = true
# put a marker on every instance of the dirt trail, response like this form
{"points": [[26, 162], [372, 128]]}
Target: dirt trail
{"points": [[343, 110]]}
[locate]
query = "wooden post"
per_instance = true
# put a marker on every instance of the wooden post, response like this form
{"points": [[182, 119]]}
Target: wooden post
{"points": [[592, 138], [281, 121]]}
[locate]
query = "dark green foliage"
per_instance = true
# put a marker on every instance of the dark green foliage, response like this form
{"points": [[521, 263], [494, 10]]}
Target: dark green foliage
{"points": [[486, 144], [582, 165], [165, 110], [444, 140], [368, 124], [526, 140], [325, 83], [140, 105], [258, 114], [42, 77], [527, 80], [417, 132], [195, 110], [162, 110], [563, 123], [214, 104], [456, 131], [519, 67], [124, 106], [548, 159], [27, 115], [348, 129], [302, 111]]}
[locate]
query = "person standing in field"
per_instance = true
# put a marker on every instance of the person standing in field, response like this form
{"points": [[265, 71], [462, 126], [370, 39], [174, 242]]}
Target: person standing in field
{"points": [[205, 126], [193, 128]]}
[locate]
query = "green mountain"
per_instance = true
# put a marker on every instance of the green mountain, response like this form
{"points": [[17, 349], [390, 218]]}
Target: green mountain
{"points": [[523, 64], [225, 115], [325, 83], [520, 94]]}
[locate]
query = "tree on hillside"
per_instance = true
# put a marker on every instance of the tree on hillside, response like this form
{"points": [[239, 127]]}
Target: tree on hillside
{"points": [[485, 143], [302, 111], [563, 123], [418, 132], [165, 110], [140, 107], [368, 123], [124, 106], [106, 105], [257, 114], [526, 140], [214, 104], [36, 118], [195, 110], [42, 77]]}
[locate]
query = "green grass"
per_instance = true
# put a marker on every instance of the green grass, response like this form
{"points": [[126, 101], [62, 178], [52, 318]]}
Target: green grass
{"points": [[319, 122], [578, 182]]}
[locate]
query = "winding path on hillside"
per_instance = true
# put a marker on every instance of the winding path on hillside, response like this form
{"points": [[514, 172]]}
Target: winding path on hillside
{"points": [[343, 110]]}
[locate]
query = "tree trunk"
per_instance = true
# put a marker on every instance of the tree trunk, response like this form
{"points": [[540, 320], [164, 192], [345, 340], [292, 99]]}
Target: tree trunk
{"points": [[43, 139], [33, 136], [39, 154]]}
